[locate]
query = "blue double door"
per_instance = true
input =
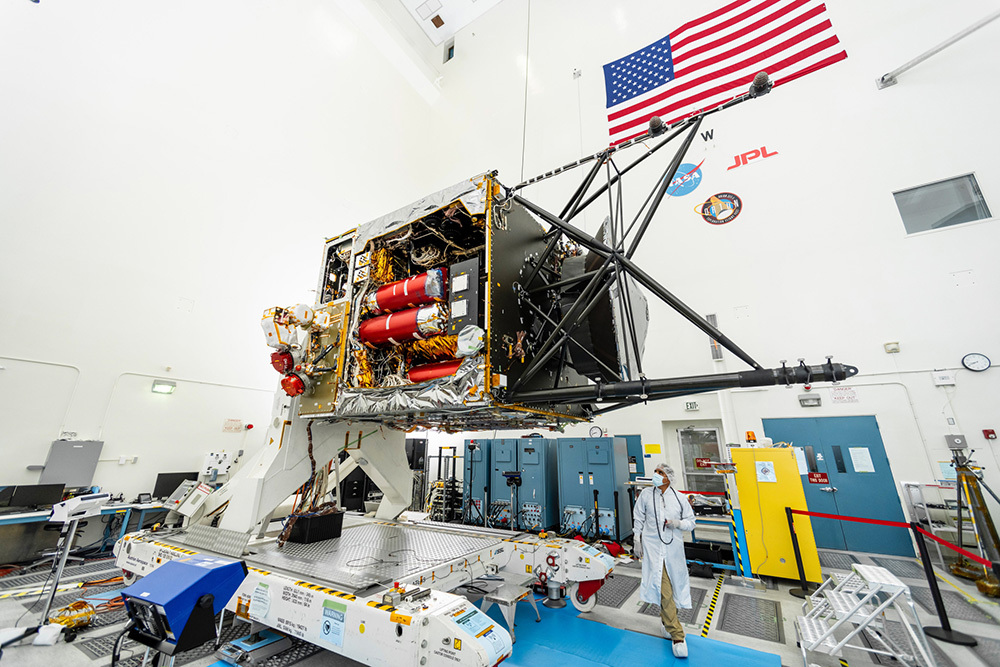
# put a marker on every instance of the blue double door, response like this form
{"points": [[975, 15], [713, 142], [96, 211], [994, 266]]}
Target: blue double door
{"points": [[847, 454]]}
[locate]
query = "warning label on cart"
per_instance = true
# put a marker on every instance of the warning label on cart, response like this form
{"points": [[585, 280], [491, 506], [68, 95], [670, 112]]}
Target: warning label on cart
{"points": [[481, 626], [332, 627], [260, 602]]}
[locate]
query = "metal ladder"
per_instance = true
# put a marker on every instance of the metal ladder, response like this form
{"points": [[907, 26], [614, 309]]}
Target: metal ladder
{"points": [[861, 600]]}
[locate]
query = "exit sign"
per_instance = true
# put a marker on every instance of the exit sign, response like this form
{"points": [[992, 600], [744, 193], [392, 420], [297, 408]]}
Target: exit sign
{"points": [[703, 463], [818, 478]]}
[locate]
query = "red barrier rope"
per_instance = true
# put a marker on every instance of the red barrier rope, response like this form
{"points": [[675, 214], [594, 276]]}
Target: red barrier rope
{"points": [[878, 522], [970, 556], [897, 524]]}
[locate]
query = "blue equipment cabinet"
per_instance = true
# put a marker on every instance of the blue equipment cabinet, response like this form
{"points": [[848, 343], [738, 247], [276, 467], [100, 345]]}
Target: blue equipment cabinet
{"points": [[633, 444], [503, 459], [538, 495], [476, 480], [587, 465]]}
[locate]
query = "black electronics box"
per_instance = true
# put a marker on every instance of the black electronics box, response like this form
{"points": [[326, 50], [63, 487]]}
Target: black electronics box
{"points": [[309, 529]]}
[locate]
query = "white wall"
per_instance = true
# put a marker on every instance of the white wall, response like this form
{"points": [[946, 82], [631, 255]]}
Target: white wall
{"points": [[818, 262], [166, 175]]}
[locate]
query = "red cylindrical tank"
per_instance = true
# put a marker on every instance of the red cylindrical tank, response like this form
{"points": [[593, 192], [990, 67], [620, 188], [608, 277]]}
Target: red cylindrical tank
{"points": [[293, 385], [414, 291], [397, 328], [433, 371], [282, 361]]}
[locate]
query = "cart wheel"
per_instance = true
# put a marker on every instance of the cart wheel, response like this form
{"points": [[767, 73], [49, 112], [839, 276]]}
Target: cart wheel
{"points": [[583, 606]]}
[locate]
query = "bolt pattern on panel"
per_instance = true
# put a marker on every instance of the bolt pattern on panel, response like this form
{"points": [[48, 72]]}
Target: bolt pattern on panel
{"points": [[956, 605], [616, 590], [226, 542], [751, 617], [837, 561], [371, 553], [70, 573], [896, 633], [988, 650], [689, 616], [901, 568]]}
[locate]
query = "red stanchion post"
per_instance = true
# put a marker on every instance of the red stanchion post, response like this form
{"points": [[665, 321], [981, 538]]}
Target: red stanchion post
{"points": [[803, 592], [945, 632]]}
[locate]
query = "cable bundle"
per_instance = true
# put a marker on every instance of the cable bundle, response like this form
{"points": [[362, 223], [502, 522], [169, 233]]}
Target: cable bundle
{"points": [[311, 495]]}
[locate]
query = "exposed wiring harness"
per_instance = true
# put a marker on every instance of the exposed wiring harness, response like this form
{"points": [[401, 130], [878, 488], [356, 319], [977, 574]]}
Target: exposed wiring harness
{"points": [[311, 495]]}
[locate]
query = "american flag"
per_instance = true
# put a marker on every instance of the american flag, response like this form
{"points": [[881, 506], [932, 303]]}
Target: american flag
{"points": [[711, 59]]}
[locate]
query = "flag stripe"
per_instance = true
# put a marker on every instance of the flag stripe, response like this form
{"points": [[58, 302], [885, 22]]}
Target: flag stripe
{"points": [[694, 23], [679, 88], [681, 74], [722, 99], [728, 23], [711, 59], [743, 32], [752, 63]]}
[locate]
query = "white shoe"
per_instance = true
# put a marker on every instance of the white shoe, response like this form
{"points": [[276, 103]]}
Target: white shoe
{"points": [[681, 649]]}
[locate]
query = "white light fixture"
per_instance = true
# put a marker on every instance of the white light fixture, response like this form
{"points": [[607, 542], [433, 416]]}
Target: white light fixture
{"points": [[164, 386]]}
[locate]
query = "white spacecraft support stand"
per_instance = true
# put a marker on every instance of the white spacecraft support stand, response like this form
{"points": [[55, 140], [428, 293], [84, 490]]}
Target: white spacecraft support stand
{"points": [[282, 466], [331, 594]]}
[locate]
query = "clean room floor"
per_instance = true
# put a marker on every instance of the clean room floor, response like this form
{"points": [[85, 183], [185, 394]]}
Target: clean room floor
{"points": [[756, 617]]}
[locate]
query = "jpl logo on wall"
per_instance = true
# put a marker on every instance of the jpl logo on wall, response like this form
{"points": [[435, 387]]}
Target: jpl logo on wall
{"points": [[687, 179], [720, 208], [744, 158]]}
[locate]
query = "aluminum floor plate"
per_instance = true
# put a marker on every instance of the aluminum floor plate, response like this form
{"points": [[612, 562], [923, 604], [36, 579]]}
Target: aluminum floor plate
{"points": [[906, 569], [101, 647], [897, 634], [751, 617], [836, 560], [956, 605], [616, 590], [688, 616], [70, 573], [988, 650], [370, 554]]}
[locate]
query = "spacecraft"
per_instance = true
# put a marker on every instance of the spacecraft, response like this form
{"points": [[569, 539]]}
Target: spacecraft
{"points": [[475, 308]]}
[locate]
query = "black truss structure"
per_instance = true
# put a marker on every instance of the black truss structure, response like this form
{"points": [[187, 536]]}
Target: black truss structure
{"points": [[553, 340]]}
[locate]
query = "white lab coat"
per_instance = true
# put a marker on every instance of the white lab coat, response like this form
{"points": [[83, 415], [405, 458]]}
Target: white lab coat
{"points": [[656, 553]]}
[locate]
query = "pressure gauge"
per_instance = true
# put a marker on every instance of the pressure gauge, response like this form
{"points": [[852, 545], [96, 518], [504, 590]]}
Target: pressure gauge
{"points": [[976, 362], [597, 431]]}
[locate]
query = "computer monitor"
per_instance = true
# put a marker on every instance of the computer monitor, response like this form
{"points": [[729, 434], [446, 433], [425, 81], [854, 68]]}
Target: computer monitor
{"points": [[5, 493], [37, 495], [167, 482]]}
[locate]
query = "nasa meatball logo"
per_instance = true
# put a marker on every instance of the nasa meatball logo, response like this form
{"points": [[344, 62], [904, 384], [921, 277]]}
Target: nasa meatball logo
{"points": [[720, 208], [686, 180]]}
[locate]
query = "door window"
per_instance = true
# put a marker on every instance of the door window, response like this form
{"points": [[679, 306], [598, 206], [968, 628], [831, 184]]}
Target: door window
{"points": [[699, 446]]}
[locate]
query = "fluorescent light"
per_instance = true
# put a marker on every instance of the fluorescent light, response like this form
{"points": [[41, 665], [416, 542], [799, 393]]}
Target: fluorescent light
{"points": [[164, 386]]}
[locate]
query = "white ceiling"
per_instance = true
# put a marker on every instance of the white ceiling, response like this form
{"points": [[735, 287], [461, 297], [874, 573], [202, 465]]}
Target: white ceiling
{"points": [[454, 14]]}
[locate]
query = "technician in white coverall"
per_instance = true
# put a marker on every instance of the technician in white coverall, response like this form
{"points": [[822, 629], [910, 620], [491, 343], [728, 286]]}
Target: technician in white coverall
{"points": [[660, 516]]}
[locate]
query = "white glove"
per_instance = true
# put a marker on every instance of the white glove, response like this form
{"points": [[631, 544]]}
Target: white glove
{"points": [[668, 523], [637, 546]]}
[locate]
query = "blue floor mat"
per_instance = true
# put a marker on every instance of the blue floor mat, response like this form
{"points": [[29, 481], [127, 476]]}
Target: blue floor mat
{"points": [[563, 639]]}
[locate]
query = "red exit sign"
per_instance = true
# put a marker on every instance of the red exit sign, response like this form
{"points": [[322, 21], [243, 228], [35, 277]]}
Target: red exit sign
{"points": [[818, 478], [702, 463]]}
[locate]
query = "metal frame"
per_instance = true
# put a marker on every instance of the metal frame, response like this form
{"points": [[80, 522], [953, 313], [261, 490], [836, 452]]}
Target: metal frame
{"points": [[617, 268]]}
